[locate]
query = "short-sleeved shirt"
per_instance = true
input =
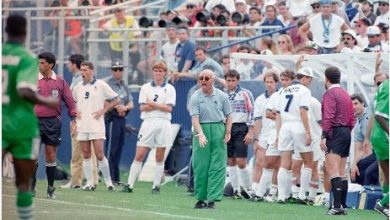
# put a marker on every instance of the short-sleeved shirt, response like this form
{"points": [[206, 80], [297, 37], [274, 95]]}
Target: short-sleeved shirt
{"points": [[209, 109], [291, 100], [241, 101], [381, 108], [90, 98], [317, 27], [168, 55], [361, 126], [19, 68], [185, 51], [164, 94], [121, 89], [261, 103], [315, 116]]}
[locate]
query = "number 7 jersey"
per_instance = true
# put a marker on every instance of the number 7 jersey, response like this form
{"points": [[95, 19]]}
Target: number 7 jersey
{"points": [[291, 100]]}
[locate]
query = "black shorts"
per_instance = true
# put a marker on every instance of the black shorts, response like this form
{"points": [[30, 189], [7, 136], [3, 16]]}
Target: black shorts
{"points": [[236, 146], [340, 141], [50, 131]]}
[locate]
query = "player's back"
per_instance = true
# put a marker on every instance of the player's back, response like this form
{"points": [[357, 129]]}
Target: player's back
{"points": [[292, 99], [19, 69]]}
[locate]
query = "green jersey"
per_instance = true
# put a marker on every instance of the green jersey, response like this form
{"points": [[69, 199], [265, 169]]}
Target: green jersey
{"points": [[19, 70]]}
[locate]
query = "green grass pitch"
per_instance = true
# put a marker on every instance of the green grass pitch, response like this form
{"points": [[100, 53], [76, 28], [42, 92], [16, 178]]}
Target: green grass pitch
{"points": [[172, 203]]}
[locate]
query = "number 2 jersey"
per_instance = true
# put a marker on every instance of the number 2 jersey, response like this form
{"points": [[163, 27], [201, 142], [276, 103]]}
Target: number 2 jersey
{"points": [[90, 98], [19, 70]]}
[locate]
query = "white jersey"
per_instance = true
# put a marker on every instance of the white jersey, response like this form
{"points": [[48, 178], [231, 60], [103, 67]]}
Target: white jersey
{"points": [[165, 94], [241, 101], [168, 54], [315, 116], [261, 104], [291, 100], [89, 99]]}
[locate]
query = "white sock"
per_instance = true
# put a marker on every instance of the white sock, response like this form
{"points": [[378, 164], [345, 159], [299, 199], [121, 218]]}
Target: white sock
{"points": [[135, 169], [105, 169], [245, 177], [233, 176], [282, 183], [295, 189], [265, 180], [314, 185], [158, 173], [25, 212], [254, 186], [273, 190], [305, 180], [87, 168], [289, 183]]}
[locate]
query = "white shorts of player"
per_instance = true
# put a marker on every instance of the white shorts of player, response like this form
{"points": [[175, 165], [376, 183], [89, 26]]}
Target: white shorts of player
{"points": [[89, 136], [155, 132], [272, 150], [318, 154], [292, 137]]}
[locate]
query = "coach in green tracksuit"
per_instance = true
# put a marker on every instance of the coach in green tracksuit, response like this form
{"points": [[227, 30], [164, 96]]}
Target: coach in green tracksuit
{"points": [[210, 111]]}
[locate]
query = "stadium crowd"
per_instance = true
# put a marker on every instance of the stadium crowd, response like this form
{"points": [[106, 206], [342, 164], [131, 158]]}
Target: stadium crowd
{"points": [[300, 145]]}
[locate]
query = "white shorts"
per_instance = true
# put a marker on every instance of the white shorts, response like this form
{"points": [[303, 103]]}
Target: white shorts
{"points": [[263, 142], [156, 132], [89, 136], [318, 154], [272, 151], [292, 137]]}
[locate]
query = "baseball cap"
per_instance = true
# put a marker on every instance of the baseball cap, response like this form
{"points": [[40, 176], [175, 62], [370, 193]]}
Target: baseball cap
{"points": [[312, 2], [325, 2], [364, 21], [350, 32], [373, 30], [117, 64], [240, 1], [306, 71]]}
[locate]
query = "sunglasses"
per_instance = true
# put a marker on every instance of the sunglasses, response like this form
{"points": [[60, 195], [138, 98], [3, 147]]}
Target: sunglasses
{"points": [[190, 6], [372, 36], [347, 38], [205, 78], [315, 6], [117, 69], [281, 42]]}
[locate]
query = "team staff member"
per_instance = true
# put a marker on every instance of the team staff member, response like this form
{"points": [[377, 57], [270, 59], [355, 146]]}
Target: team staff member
{"points": [[115, 119], [76, 162], [90, 96], [337, 122], [380, 142], [19, 123], [49, 84], [241, 102], [210, 111], [157, 99]]}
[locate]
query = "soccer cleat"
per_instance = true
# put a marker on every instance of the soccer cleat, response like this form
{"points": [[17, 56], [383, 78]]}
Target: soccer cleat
{"points": [[66, 186], [257, 198], [200, 205], [50, 192], [211, 205], [245, 193], [126, 188], [336, 211], [237, 195], [88, 188], [302, 202], [381, 209], [111, 188], [270, 198], [156, 190], [280, 201]]}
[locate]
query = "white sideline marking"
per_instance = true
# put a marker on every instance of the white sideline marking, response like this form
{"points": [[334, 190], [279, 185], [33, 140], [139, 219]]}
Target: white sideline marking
{"points": [[117, 208]]}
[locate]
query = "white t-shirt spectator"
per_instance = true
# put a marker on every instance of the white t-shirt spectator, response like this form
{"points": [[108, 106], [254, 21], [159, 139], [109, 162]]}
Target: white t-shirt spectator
{"points": [[168, 54], [317, 29]]}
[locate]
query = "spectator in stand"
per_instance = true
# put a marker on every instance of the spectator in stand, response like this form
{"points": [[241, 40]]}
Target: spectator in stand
{"points": [[310, 48], [326, 29], [337, 10], [298, 8], [169, 48], [316, 7], [374, 41], [242, 8], [361, 30], [225, 60], [228, 4], [271, 19], [366, 10], [383, 8], [384, 33], [185, 50], [364, 170], [254, 21], [121, 20], [267, 46], [350, 9], [245, 65], [284, 14], [349, 43], [285, 46]]}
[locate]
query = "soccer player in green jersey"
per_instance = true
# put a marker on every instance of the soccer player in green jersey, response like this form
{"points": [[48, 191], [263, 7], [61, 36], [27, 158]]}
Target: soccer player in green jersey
{"points": [[380, 141], [19, 123]]}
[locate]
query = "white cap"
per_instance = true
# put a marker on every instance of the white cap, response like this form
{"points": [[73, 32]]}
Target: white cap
{"points": [[240, 1], [373, 30], [350, 32], [306, 71]]}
